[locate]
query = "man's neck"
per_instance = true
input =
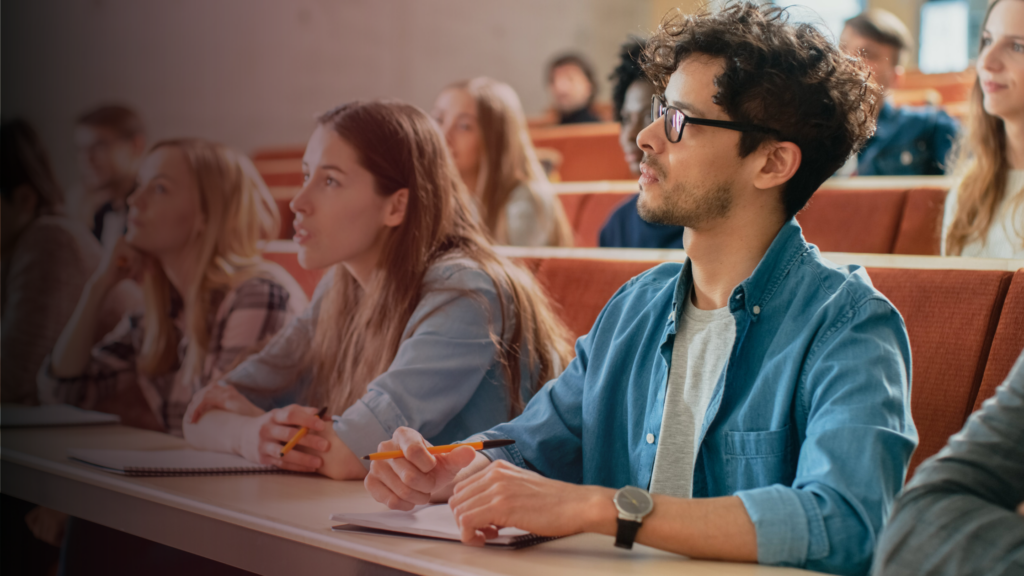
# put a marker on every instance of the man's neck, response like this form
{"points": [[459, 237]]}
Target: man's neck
{"points": [[725, 253]]}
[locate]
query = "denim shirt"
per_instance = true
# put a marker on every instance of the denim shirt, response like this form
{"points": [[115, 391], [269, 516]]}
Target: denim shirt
{"points": [[809, 423], [445, 381]]}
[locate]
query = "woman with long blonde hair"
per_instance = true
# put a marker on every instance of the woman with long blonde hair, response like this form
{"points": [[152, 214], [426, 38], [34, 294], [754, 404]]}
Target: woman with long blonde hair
{"points": [[984, 215], [485, 129], [417, 323], [195, 223]]}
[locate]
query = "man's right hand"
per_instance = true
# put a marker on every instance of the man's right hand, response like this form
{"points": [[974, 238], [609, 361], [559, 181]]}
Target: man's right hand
{"points": [[403, 483]]}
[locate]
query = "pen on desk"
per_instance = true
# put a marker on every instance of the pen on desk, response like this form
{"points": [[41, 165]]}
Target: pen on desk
{"points": [[300, 434], [484, 445]]}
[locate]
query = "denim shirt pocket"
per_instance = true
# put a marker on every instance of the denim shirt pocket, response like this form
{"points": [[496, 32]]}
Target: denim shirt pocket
{"points": [[758, 459]]}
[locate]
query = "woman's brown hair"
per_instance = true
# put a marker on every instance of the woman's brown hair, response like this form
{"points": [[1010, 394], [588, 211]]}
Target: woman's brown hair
{"points": [[510, 161], [238, 212], [359, 330], [981, 170]]}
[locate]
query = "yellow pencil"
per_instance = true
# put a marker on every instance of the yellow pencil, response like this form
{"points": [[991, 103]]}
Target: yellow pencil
{"points": [[485, 445], [300, 434]]}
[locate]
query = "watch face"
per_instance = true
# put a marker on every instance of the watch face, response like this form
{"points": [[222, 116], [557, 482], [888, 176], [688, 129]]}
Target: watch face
{"points": [[633, 501]]}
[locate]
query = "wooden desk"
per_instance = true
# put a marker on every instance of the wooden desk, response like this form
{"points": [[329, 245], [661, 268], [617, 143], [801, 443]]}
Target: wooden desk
{"points": [[278, 524]]}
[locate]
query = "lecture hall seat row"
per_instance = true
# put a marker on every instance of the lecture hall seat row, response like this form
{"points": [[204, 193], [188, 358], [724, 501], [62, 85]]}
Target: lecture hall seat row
{"points": [[867, 215], [965, 317], [586, 152]]}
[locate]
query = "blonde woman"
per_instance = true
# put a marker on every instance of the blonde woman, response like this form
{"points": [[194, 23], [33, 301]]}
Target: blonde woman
{"points": [[195, 222], [984, 215], [418, 322], [485, 129]]}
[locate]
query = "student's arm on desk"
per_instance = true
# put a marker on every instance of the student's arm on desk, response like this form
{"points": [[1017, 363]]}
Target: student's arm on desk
{"points": [[484, 495], [260, 437]]}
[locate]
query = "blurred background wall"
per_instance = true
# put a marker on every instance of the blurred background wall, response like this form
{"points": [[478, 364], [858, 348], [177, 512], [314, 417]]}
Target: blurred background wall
{"points": [[253, 73]]}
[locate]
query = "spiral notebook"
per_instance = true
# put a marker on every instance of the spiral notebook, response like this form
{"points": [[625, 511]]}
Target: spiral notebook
{"points": [[428, 521], [169, 462]]}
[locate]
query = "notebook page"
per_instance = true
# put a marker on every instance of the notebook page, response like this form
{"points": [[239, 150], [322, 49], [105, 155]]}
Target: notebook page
{"points": [[431, 520], [169, 460]]}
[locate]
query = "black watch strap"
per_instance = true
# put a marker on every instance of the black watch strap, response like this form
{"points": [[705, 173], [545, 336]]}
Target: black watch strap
{"points": [[626, 534]]}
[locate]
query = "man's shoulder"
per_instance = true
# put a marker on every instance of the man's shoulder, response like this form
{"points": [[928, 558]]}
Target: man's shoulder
{"points": [[838, 289]]}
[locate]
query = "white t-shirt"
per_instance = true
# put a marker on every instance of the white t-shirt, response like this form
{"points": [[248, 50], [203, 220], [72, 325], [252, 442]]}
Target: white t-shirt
{"points": [[703, 343], [1004, 238]]}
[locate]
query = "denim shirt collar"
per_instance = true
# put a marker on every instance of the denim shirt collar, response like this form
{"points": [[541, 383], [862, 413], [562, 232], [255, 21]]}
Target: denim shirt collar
{"points": [[754, 293]]}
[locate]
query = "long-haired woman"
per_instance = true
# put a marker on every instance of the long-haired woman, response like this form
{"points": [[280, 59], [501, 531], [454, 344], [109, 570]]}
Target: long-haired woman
{"points": [[485, 129], [418, 322], [195, 223], [984, 215]]}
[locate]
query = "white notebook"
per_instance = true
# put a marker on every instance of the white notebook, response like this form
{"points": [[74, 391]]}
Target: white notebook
{"points": [[169, 462], [16, 415], [428, 521]]}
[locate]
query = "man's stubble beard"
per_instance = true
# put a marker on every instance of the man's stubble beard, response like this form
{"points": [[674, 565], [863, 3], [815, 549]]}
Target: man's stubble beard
{"points": [[682, 207]]}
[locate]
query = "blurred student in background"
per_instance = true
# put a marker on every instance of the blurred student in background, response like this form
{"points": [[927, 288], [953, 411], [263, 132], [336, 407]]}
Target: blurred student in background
{"points": [[111, 144], [573, 88], [909, 141], [485, 129], [984, 215], [194, 226], [417, 323], [631, 101], [47, 257]]}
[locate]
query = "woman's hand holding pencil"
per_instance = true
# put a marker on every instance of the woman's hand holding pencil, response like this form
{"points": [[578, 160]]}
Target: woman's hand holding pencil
{"points": [[266, 437]]}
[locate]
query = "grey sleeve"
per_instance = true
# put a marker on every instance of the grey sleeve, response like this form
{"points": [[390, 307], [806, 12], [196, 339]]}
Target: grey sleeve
{"points": [[958, 514]]}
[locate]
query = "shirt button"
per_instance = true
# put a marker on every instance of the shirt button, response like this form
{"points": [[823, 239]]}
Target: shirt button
{"points": [[650, 438], [906, 158], [757, 310]]}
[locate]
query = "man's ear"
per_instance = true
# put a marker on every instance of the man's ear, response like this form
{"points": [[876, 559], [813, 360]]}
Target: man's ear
{"points": [[396, 207], [781, 161]]}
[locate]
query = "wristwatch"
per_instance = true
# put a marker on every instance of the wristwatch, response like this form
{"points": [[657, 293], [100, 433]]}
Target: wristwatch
{"points": [[633, 504]]}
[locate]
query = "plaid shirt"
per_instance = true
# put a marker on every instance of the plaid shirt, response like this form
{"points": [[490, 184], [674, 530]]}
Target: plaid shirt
{"points": [[246, 318]]}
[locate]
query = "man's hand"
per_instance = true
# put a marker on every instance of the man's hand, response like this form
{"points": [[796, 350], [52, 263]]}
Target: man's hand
{"points": [[402, 483], [1020, 509], [505, 495]]}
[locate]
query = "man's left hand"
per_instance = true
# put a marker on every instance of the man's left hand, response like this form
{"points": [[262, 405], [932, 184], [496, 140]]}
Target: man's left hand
{"points": [[503, 495]]}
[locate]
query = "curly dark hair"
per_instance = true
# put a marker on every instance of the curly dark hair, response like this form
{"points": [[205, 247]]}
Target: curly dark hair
{"points": [[787, 77], [628, 71]]}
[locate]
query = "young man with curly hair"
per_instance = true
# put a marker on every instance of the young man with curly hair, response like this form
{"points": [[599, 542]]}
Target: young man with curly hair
{"points": [[751, 404]]}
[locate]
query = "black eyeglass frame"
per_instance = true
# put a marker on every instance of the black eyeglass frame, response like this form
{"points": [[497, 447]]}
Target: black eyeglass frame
{"points": [[660, 108]]}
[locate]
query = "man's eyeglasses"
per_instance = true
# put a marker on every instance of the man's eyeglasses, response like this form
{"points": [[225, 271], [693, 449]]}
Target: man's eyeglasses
{"points": [[676, 120]]}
